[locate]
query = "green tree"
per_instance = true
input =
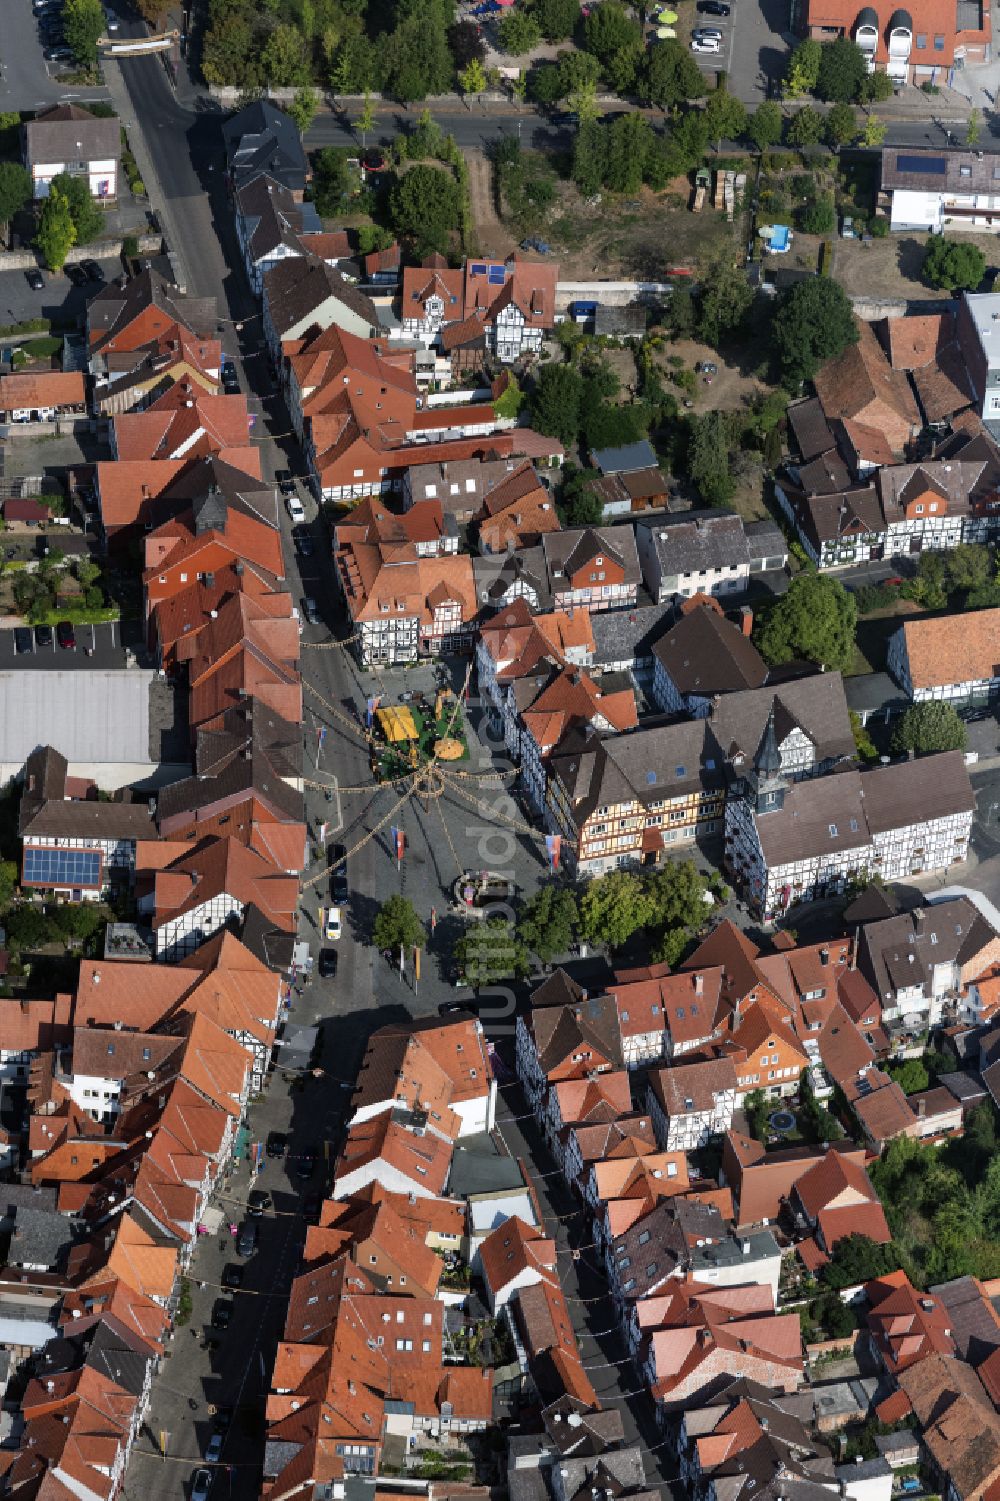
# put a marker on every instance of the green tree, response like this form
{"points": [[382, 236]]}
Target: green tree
{"points": [[956, 265], [27, 928], [416, 59], [863, 742], [489, 951], [373, 237], [472, 79], [229, 53], [725, 117], [802, 74], [88, 221], [974, 128], [877, 88], [303, 108], [15, 190], [578, 503], [609, 30], [366, 121], [555, 402], [805, 128], [331, 180], [518, 31], [56, 231], [841, 124], [672, 75], [708, 458], [726, 298], [577, 70], [83, 25], [911, 1076], [930, 727], [590, 157], [397, 927], [557, 18], [842, 71], [814, 322], [815, 620], [426, 205], [511, 399], [548, 922], [677, 892], [874, 132], [630, 140], [285, 60], [764, 126], [688, 140], [583, 102], [8, 883], [968, 567], [835, 1317], [818, 216], [857, 1259], [356, 68], [613, 907]]}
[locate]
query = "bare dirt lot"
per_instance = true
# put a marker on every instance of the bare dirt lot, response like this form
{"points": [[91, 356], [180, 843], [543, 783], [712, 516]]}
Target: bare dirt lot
{"points": [[642, 236], [891, 267]]}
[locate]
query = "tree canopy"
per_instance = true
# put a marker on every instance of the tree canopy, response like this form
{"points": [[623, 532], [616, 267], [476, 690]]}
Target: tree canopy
{"points": [[842, 71], [613, 907], [548, 921], [557, 18], [764, 125], [929, 727], [815, 619], [489, 951], [802, 72], [708, 458], [83, 25], [88, 221], [813, 323], [555, 402], [672, 75], [15, 190], [955, 265], [397, 926], [426, 206], [56, 231]]}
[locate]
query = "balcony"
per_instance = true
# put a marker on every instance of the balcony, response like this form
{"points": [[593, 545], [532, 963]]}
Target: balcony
{"points": [[866, 35], [900, 44]]}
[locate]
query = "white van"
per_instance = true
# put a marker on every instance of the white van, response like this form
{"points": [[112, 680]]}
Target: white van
{"points": [[295, 509]]}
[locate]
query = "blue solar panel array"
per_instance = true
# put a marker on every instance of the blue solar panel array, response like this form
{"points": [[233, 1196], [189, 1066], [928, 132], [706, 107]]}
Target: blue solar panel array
{"points": [[50, 867], [932, 164], [477, 269], [497, 276]]}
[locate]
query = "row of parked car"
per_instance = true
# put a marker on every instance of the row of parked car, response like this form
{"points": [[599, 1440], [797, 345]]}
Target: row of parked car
{"points": [[49, 15], [26, 638]]}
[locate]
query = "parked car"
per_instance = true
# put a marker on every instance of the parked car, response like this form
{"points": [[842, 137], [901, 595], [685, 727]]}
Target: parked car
{"points": [[201, 1485], [24, 640], [246, 1242], [257, 1202], [305, 1163], [337, 856], [277, 1144], [707, 34], [327, 964], [76, 275], [213, 1450], [222, 1419], [110, 20], [333, 925], [51, 55], [285, 482], [43, 636], [310, 609], [66, 635], [455, 1008], [35, 280], [305, 544], [232, 1275], [705, 44], [92, 270], [222, 1313], [713, 8], [296, 510], [230, 379]]}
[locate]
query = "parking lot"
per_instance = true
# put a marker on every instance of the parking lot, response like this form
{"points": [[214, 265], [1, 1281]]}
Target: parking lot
{"points": [[27, 82], [59, 301], [97, 646]]}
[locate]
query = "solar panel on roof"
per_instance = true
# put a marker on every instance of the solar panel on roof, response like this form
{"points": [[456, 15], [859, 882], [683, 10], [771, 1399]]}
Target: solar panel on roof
{"points": [[496, 276], [934, 164], [54, 867], [477, 269]]}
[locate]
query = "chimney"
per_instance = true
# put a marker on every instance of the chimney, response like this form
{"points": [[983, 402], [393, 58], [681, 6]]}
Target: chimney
{"points": [[824, 956], [921, 1108], [699, 984], [918, 917], [746, 620]]}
